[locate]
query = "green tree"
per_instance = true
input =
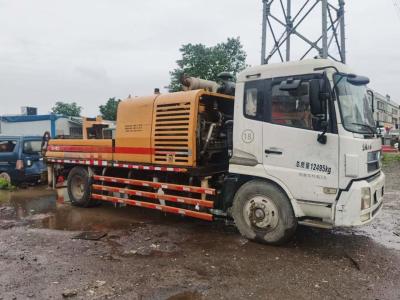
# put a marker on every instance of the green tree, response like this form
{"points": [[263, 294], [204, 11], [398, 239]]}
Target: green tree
{"points": [[109, 110], [207, 62], [67, 109]]}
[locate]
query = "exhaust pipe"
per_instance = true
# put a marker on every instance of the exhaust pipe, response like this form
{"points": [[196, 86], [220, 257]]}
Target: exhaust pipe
{"points": [[227, 87], [194, 83]]}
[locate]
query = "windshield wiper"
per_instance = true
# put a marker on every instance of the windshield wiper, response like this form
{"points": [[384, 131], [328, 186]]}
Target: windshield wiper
{"points": [[370, 128]]}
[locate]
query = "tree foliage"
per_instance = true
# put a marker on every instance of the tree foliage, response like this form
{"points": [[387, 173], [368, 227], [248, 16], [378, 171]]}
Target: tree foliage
{"points": [[205, 62], [67, 109], [5, 184], [109, 110]]}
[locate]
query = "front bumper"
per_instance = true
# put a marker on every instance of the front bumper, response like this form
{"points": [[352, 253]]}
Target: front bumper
{"points": [[348, 208]]}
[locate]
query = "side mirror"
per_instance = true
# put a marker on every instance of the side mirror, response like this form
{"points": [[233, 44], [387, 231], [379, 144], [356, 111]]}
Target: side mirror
{"points": [[316, 101], [357, 80]]}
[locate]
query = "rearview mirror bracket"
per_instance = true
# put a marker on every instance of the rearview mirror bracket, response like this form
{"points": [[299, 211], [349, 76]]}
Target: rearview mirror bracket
{"points": [[322, 138], [319, 96]]}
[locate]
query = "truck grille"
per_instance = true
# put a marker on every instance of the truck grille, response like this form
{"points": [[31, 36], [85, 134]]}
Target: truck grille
{"points": [[171, 135]]}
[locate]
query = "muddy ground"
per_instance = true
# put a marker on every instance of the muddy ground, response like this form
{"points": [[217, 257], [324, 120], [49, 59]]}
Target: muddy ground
{"points": [[147, 255]]}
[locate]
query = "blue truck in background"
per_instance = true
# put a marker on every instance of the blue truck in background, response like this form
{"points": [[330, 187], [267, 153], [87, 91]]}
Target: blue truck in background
{"points": [[21, 159]]}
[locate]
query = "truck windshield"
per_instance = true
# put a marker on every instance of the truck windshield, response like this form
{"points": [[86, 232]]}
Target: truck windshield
{"points": [[355, 106]]}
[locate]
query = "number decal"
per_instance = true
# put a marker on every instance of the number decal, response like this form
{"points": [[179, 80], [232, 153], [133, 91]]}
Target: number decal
{"points": [[314, 167], [248, 136]]}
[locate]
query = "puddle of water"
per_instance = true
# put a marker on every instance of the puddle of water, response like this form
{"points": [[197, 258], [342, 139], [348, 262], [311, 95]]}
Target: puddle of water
{"points": [[27, 202], [5, 196], [40, 208], [71, 218]]}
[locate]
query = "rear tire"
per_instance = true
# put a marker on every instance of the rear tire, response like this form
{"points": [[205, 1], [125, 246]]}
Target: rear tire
{"points": [[6, 177], [263, 213], [79, 187]]}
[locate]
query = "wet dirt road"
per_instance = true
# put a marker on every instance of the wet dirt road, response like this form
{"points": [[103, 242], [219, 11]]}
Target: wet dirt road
{"points": [[146, 255]]}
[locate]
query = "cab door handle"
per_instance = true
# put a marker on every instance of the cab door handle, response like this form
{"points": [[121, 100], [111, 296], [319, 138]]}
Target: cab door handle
{"points": [[273, 151]]}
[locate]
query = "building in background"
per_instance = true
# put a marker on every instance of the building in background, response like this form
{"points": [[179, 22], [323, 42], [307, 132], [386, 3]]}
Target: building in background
{"points": [[387, 112], [29, 123], [97, 128]]}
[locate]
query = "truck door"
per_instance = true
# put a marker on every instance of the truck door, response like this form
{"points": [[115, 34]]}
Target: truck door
{"points": [[291, 151], [32, 157], [8, 155]]}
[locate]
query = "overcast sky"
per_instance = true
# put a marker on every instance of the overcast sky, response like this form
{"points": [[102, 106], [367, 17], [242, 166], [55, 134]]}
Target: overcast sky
{"points": [[89, 50]]}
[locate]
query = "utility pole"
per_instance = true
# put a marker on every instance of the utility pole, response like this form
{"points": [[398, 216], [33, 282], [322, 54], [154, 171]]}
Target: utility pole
{"points": [[289, 27], [264, 31], [324, 5], [342, 31], [331, 43]]}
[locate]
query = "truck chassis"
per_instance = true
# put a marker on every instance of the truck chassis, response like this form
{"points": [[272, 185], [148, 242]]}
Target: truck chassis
{"points": [[136, 185]]}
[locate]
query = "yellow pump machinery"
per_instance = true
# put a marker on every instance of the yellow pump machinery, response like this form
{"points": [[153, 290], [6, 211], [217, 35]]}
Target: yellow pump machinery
{"points": [[190, 129]]}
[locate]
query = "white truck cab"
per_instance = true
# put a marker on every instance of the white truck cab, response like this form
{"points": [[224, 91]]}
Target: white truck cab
{"points": [[307, 128]]}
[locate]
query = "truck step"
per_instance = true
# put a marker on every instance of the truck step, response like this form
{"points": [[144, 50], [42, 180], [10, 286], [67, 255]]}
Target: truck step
{"points": [[164, 208], [315, 223]]}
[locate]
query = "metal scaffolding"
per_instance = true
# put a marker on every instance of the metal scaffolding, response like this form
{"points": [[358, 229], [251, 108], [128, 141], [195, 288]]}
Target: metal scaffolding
{"points": [[288, 20]]}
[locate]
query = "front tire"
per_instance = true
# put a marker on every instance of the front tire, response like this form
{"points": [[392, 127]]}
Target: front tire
{"points": [[263, 213], [79, 187]]}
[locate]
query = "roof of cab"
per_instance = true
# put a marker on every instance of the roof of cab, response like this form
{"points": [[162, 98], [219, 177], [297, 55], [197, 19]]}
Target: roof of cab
{"points": [[274, 70]]}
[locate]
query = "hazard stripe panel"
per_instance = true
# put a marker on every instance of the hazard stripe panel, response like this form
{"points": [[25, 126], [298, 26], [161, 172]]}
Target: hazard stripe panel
{"points": [[177, 199], [164, 208], [105, 163], [88, 162], [157, 185]]}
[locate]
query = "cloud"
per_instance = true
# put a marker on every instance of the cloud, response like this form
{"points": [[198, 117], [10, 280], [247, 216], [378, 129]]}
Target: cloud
{"points": [[96, 74], [88, 51]]}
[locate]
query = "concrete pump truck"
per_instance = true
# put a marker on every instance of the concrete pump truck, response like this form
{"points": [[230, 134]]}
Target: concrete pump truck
{"points": [[286, 144]]}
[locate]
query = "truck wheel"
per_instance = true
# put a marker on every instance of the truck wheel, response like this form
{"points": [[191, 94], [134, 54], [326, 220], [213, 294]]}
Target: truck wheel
{"points": [[263, 213], [5, 176], [79, 187]]}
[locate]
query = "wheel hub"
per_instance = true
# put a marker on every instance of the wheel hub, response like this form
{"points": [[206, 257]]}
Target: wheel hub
{"points": [[78, 187], [261, 212]]}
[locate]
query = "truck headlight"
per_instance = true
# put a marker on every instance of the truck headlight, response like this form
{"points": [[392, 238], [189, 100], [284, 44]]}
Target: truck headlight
{"points": [[365, 198]]}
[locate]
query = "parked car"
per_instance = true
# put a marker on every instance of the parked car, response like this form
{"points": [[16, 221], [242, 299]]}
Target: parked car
{"points": [[21, 159]]}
